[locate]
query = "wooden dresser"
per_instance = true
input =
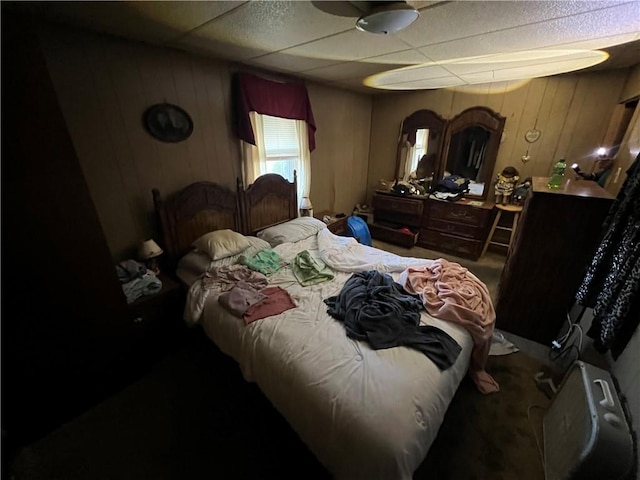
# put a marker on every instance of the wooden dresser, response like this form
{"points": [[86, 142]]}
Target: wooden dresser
{"points": [[459, 228], [397, 219], [556, 238]]}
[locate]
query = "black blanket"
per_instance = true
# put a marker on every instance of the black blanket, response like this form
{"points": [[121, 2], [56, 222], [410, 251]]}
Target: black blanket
{"points": [[376, 309]]}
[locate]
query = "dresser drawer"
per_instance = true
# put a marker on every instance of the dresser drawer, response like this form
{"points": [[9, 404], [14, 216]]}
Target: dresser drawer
{"points": [[390, 203], [389, 234], [453, 228], [459, 213], [465, 247]]}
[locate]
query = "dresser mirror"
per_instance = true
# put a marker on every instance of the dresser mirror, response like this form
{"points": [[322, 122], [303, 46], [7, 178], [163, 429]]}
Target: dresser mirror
{"points": [[471, 147], [420, 147], [431, 147]]}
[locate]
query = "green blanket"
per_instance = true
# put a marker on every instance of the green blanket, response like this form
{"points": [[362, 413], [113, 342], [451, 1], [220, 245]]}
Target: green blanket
{"points": [[309, 271]]}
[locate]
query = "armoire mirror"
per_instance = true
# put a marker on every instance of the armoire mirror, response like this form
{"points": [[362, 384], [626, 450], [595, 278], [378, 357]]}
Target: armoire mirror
{"points": [[467, 145]]}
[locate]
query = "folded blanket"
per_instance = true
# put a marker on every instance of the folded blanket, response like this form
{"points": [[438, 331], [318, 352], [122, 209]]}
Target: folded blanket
{"points": [[309, 271], [452, 293], [129, 270]]}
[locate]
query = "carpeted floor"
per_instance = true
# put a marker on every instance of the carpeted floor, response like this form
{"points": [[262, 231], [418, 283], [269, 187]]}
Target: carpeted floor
{"points": [[195, 417]]}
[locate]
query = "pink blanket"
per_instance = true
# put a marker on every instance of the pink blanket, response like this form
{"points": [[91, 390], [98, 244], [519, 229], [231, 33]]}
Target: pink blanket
{"points": [[450, 292]]}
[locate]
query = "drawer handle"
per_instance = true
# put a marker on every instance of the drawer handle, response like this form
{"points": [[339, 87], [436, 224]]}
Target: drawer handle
{"points": [[460, 214], [138, 320], [451, 228]]}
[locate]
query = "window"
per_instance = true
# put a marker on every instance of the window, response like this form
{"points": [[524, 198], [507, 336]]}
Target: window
{"points": [[282, 147], [282, 151]]}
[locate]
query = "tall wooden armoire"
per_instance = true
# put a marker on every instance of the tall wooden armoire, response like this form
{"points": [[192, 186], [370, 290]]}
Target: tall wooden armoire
{"points": [[64, 315], [556, 238]]}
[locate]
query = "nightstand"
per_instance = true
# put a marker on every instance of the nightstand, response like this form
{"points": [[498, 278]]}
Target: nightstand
{"points": [[336, 225], [156, 322]]}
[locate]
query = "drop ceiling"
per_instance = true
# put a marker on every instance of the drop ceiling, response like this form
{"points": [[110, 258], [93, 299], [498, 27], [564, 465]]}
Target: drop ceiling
{"points": [[451, 43]]}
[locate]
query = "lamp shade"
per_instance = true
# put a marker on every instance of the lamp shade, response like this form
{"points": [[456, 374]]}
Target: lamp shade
{"points": [[306, 209], [149, 249], [305, 204]]}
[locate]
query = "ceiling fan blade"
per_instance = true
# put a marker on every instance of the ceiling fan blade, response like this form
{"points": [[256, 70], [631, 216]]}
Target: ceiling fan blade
{"points": [[343, 8]]}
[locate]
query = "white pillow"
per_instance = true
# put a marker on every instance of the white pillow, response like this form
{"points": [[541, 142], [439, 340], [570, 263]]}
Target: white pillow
{"points": [[199, 262], [221, 243], [292, 231]]}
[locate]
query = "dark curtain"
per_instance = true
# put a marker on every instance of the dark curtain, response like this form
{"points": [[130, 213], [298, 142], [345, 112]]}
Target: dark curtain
{"points": [[612, 283], [284, 100]]}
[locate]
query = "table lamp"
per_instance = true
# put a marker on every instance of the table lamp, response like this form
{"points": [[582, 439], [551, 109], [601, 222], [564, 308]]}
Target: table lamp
{"points": [[149, 251], [306, 209]]}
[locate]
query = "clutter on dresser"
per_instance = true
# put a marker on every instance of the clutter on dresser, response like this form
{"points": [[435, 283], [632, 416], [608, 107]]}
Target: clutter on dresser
{"points": [[451, 188], [137, 280]]}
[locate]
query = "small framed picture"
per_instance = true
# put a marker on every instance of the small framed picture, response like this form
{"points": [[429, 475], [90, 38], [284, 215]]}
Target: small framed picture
{"points": [[168, 123]]}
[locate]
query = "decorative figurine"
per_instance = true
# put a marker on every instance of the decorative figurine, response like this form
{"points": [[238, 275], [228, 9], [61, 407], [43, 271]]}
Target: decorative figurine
{"points": [[520, 193], [505, 184]]}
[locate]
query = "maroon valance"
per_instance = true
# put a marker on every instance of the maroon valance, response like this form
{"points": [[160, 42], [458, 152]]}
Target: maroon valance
{"points": [[285, 100]]}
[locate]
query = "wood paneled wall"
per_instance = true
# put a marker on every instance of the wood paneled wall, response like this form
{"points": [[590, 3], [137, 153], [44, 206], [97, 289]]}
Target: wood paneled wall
{"points": [[572, 111], [339, 165], [104, 84]]}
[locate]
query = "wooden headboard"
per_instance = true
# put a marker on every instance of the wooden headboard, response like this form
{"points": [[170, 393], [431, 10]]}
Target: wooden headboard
{"points": [[269, 200], [206, 206], [193, 211]]}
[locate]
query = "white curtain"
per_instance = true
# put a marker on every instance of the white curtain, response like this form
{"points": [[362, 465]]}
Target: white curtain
{"points": [[304, 161], [254, 158]]}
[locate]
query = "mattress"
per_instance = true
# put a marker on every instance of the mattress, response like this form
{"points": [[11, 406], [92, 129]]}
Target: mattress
{"points": [[364, 413]]}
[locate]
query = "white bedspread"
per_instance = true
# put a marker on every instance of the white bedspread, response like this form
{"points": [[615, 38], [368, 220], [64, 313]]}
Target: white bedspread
{"points": [[364, 413]]}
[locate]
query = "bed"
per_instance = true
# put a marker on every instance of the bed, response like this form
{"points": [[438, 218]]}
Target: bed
{"points": [[364, 413]]}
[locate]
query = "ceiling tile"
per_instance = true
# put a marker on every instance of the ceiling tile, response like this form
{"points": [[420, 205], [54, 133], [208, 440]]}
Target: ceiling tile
{"points": [[454, 20], [449, 81], [154, 22], [408, 57], [621, 19], [349, 70], [291, 63], [212, 47], [269, 26], [497, 63], [415, 73], [528, 71], [351, 45]]}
